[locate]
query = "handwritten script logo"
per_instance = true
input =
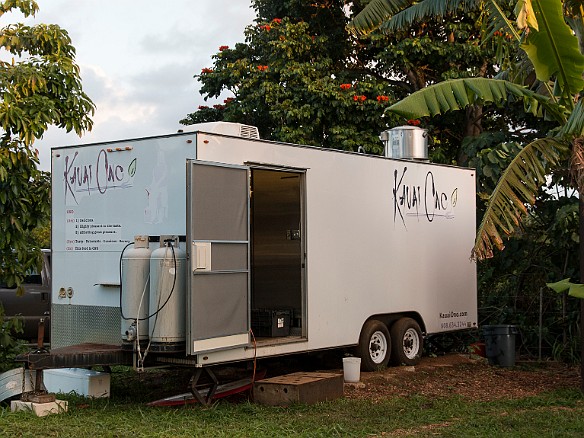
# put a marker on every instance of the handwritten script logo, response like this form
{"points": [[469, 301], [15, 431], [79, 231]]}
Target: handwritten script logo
{"points": [[105, 173], [427, 201]]}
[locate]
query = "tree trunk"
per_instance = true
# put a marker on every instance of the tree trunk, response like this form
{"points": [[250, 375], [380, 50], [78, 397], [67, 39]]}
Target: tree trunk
{"points": [[473, 127], [581, 247], [576, 22]]}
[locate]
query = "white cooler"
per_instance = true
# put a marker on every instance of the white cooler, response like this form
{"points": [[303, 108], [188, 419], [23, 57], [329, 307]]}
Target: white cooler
{"points": [[83, 382]]}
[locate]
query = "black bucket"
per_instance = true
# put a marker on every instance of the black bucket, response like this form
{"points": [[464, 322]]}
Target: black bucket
{"points": [[500, 344]]}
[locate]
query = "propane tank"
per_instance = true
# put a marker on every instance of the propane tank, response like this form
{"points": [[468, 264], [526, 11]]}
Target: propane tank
{"points": [[167, 297], [135, 290]]}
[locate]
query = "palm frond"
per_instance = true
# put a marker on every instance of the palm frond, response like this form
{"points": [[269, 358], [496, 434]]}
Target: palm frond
{"points": [[457, 94], [517, 187], [520, 72], [574, 127], [498, 21], [375, 13], [424, 10]]}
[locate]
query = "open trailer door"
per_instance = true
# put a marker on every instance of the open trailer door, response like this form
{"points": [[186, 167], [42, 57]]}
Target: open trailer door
{"points": [[218, 239]]}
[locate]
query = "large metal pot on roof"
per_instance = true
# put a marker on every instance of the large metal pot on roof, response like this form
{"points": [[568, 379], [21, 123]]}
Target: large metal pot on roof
{"points": [[406, 142]]}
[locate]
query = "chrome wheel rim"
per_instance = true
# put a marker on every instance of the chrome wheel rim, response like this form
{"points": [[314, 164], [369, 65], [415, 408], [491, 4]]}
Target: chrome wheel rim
{"points": [[378, 347], [411, 343]]}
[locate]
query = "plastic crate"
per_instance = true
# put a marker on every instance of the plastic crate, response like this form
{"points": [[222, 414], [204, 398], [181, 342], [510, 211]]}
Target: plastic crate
{"points": [[270, 323]]}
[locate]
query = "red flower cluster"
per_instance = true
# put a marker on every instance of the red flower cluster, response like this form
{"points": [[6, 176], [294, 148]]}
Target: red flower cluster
{"points": [[345, 86], [277, 20], [266, 27], [498, 33], [382, 98], [207, 70], [219, 107], [221, 48], [262, 67], [358, 98], [229, 100], [202, 107], [413, 122]]}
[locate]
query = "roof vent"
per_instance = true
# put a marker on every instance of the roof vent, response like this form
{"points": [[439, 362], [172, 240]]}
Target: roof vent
{"points": [[406, 142], [248, 131], [225, 128]]}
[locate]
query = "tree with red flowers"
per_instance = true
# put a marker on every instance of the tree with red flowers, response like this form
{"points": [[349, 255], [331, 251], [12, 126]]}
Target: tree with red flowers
{"points": [[301, 77], [292, 81]]}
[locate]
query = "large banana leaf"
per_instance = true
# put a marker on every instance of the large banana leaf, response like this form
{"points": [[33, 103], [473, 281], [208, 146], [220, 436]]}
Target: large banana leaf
{"points": [[428, 10], [400, 14], [457, 94], [574, 289], [553, 49], [434, 9], [517, 187], [375, 13], [550, 43]]}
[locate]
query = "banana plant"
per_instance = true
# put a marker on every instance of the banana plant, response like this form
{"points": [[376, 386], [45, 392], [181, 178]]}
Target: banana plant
{"points": [[553, 49], [574, 289]]}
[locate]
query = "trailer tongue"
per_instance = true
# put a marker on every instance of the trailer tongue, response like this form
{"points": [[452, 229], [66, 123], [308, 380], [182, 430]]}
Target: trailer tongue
{"points": [[77, 356]]}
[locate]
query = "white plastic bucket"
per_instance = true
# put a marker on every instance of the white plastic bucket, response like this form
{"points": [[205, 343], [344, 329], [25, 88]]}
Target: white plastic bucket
{"points": [[352, 369]]}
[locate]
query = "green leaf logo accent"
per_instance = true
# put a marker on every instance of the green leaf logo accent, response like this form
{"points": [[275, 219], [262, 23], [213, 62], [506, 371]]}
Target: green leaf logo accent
{"points": [[132, 168]]}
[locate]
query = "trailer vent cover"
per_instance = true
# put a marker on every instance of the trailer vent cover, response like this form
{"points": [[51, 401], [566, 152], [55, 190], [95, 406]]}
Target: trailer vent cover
{"points": [[249, 131]]}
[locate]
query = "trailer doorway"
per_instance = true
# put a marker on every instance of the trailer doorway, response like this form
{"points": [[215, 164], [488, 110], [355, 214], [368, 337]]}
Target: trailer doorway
{"points": [[277, 254]]}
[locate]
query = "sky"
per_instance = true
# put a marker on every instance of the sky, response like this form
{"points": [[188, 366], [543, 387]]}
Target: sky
{"points": [[138, 59]]}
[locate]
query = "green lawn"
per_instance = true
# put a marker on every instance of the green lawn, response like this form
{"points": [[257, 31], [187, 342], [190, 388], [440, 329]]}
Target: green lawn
{"points": [[558, 413]]}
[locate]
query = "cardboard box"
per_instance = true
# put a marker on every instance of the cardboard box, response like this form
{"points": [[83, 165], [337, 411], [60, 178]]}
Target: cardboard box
{"points": [[301, 387]]}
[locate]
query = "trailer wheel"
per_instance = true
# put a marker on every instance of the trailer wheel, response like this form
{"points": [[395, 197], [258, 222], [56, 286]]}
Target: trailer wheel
{"points": [[407, 342], [374, 346]]}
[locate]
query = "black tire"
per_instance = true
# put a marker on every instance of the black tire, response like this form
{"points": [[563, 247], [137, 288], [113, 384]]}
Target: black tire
{"points": [[406, 342], [374, 346]]}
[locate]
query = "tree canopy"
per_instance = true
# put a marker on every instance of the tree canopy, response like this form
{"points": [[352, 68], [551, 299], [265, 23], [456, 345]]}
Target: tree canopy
{"points": [[39, 86], [301, 77], [290, 79]]}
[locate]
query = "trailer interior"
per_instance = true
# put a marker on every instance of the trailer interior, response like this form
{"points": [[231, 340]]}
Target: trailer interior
{"points": [[277, 260]]}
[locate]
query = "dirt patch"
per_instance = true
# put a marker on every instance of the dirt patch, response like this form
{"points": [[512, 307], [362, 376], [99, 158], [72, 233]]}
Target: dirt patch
{"points": [[469, 377]]}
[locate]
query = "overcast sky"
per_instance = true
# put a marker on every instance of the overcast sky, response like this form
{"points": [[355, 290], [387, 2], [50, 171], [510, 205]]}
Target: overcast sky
{"points": [[138, 59]]}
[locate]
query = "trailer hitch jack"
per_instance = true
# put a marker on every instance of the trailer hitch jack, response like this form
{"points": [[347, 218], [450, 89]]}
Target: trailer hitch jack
{"points": [[39, 394]]}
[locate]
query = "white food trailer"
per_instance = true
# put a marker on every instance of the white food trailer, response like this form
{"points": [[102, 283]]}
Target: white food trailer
{"points": [[213, 246]]}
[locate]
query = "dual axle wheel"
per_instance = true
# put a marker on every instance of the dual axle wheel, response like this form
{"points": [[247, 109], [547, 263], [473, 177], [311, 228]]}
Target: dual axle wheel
{"points": [[377, 345]]}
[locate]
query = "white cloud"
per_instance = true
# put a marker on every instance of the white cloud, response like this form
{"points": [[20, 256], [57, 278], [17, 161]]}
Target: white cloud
{"points": [[138, 60]]}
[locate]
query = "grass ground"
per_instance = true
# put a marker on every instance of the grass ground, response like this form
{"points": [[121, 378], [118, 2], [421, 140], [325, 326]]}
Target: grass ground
{"points": [[421, 401]]}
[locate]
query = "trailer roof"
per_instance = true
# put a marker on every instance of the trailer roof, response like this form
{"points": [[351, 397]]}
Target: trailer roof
{"points": [[217, 134]]}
